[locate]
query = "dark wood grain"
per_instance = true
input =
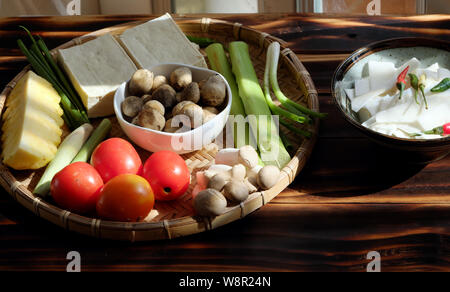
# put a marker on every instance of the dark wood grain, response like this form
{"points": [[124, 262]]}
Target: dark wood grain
{"points": [[352, 198]]}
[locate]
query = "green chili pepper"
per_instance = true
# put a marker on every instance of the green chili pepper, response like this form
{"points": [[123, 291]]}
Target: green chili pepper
{"points": [[444, 85], [415, 85], [422, 80]]}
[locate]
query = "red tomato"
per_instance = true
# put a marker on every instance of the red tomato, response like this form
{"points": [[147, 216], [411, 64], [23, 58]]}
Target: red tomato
{"points": [[77, 187], [446, 129], [126, 198], [168, 175], [115, 157]]}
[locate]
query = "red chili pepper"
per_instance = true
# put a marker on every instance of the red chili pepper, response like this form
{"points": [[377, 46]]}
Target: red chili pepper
{"points": [[446, 129], [401, 81], [443, 131]]}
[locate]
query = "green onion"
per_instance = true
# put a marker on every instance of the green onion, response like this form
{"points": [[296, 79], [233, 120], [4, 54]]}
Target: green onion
{"points": [[286, 102], [286, 142], [96, 138], [43, 63], [64, 156], [273, 107], [295, 130], [269, 143]]}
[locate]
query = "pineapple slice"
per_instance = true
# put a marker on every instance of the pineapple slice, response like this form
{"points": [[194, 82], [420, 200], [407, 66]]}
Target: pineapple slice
{"points": [[31, 124]]}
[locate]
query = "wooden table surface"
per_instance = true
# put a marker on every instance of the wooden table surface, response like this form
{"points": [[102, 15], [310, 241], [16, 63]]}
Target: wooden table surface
{"points": [[352, 198]]}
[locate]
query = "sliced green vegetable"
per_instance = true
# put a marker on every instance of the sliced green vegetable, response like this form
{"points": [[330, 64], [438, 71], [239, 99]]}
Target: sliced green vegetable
{"points": [[219, 62], [269, 143], [96, 138], [68, 149]]}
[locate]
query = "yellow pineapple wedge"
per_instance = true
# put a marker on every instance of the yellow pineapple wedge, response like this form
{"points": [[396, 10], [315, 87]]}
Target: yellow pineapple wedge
{"points": [[31, 124]]}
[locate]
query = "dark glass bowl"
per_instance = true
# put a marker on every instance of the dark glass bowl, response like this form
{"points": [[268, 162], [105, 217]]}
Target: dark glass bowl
{"points": [[428, 51]]}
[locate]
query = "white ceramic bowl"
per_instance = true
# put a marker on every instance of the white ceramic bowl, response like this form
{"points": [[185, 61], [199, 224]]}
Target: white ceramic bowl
{"points": [[180, 143]]}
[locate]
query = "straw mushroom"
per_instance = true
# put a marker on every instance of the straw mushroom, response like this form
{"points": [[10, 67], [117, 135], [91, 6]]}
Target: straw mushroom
{"points": [[191, 93], [268, 177], [213, 91], [228, 156], [151, 119], [166, 95], [251, 187], [195, 114], [181, 78], [252, 174], [177, 109], [239, 172], [246, 155], [141, 83], [156, 105], [210, 203], [212, 110], [135, 121], [236, 191], [218, 182], [224, 170], [146, 98], [169, 128], [158, 81], [209, 113], [131, 106]]}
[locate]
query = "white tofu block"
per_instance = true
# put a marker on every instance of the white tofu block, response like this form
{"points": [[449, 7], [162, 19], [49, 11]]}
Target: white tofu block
{"points": [[430, 74], [413, 64], [381, 68], [387, 102], [443, 73], [383, 82], [362, 86], [405, 111], [382, 75], [96, 69], [160, 41], [438, 112], [369, 122], [359, 102], [434, 67], [350, 93]]}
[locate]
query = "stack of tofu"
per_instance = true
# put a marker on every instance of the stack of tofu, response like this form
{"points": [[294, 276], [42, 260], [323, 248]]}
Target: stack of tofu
{"points": [[98, 67]]}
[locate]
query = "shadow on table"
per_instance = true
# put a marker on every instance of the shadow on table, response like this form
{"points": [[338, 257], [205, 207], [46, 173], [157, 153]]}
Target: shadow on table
{"points": [[353, 167]]}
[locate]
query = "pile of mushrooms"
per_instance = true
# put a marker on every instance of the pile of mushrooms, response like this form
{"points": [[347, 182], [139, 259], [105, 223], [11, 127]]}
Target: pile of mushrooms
{"points": [[235, 175], [154, 101]]}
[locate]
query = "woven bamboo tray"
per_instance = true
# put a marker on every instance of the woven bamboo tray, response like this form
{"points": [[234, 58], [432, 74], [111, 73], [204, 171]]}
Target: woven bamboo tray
{"points": [[177, 219]]}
